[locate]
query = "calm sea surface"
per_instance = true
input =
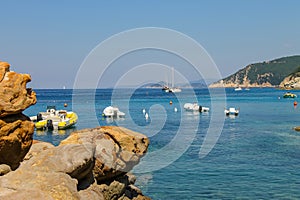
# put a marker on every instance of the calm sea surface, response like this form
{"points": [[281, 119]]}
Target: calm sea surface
{"points": [[256, 156]]}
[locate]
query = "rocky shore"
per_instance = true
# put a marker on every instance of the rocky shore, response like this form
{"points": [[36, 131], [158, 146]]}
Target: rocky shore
{"points": [[90, 164]]}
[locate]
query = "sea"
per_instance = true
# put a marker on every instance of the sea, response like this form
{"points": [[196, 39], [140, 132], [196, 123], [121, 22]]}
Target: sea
{"points": [[193, 155]]}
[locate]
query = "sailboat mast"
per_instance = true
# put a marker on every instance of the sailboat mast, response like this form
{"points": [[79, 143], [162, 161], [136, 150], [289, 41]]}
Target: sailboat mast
{"points": [[172, 77]]}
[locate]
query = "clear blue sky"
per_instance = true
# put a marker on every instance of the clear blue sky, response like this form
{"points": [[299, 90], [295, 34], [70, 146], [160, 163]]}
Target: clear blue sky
{"points": [[50, 39]]}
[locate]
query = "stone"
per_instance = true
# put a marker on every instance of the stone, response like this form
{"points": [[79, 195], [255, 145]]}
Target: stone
{"points": [[26, 184], [16, 132], [73, 159], [36, 148], [92, 193], [117, 149], [14, 96], [4, 169], [113, 191]]}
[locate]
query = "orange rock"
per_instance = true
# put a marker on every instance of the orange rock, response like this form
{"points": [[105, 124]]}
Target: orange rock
{"points": [[14, 96], [16, 132]]}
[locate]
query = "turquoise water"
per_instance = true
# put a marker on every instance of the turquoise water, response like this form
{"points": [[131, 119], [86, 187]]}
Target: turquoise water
{"points": [[257, 155]]}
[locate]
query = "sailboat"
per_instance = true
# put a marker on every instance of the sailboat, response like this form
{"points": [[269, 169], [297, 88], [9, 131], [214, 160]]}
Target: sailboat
{"points": [[174, 89]]}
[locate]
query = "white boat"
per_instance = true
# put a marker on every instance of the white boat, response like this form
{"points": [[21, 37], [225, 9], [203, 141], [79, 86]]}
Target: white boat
{"points": [[54, 119], [111, 111], [195, 107], [238, 89], [174, 89], [231, 111]]}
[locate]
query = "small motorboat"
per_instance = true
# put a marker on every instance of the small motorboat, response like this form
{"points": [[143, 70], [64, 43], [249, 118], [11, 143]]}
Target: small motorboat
{"points": [[238, 89], [111, 111], [289, 95], [231, 111], [195, 107], [54, 119]]}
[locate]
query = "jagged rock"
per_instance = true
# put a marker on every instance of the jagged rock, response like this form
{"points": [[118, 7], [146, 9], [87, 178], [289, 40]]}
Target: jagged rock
{"points": [[14, 97], [291, 82], [16, 133], [94, 192], [113, 191], [117, 149]]}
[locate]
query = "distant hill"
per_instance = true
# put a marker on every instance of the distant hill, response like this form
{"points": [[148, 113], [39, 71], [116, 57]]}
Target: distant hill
{"points": [[263, 74]]}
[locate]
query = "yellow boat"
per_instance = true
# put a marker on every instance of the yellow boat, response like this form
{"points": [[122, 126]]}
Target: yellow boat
{"points": [[289, 95], [55, 119]]}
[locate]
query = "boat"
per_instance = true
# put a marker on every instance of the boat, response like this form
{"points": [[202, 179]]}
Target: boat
{"points": [[231, 111], [238, 89], [195, 107], [113, 112], [289, 95], [54, 119], [166, 89], [174, 89]]}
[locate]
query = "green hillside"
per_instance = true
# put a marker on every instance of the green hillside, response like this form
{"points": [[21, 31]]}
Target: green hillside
{"points": [[272, 72]]}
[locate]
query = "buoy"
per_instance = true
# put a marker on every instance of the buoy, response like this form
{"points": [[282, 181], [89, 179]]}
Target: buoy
{"points": [[295, 103], [144, 111], [171, 102], [175, 109], [146, 116], [65, 105]]}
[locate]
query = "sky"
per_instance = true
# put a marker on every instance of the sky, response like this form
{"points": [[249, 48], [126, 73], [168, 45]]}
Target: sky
{"points": [[51, 39]]}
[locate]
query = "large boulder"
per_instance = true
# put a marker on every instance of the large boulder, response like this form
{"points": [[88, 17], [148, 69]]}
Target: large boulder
{"points": [[117, 149], [14, 96], [67, 171], [16, 132], [16, 129]]}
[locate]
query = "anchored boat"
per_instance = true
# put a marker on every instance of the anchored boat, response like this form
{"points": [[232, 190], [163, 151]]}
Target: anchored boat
{"points": [[54, 119], [111, 111], [231, 111], [195, 107], [289, 95]]}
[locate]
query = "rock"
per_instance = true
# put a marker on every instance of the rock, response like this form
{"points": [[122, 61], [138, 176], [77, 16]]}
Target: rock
{"points": [[16, 132], [67, 171], [117, 149], [4, 169], [36, 148], [94, 192], [27, 185], [113, 191], [73, 159], [14, 96], [291, 82]]}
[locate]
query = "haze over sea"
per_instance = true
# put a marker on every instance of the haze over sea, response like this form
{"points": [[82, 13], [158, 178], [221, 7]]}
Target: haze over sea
{"points": [[256, 157]]}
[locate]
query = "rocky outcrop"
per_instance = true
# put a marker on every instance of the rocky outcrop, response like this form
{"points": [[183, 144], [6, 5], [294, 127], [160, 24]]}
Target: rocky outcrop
{"points": [[291, 82], [15, 139], [117, 149], [242, 79], [14, 96], [16, 129], [89, 164]]}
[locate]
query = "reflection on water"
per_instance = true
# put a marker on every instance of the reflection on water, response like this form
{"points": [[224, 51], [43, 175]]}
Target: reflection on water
{"points": [[53, 136]]}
